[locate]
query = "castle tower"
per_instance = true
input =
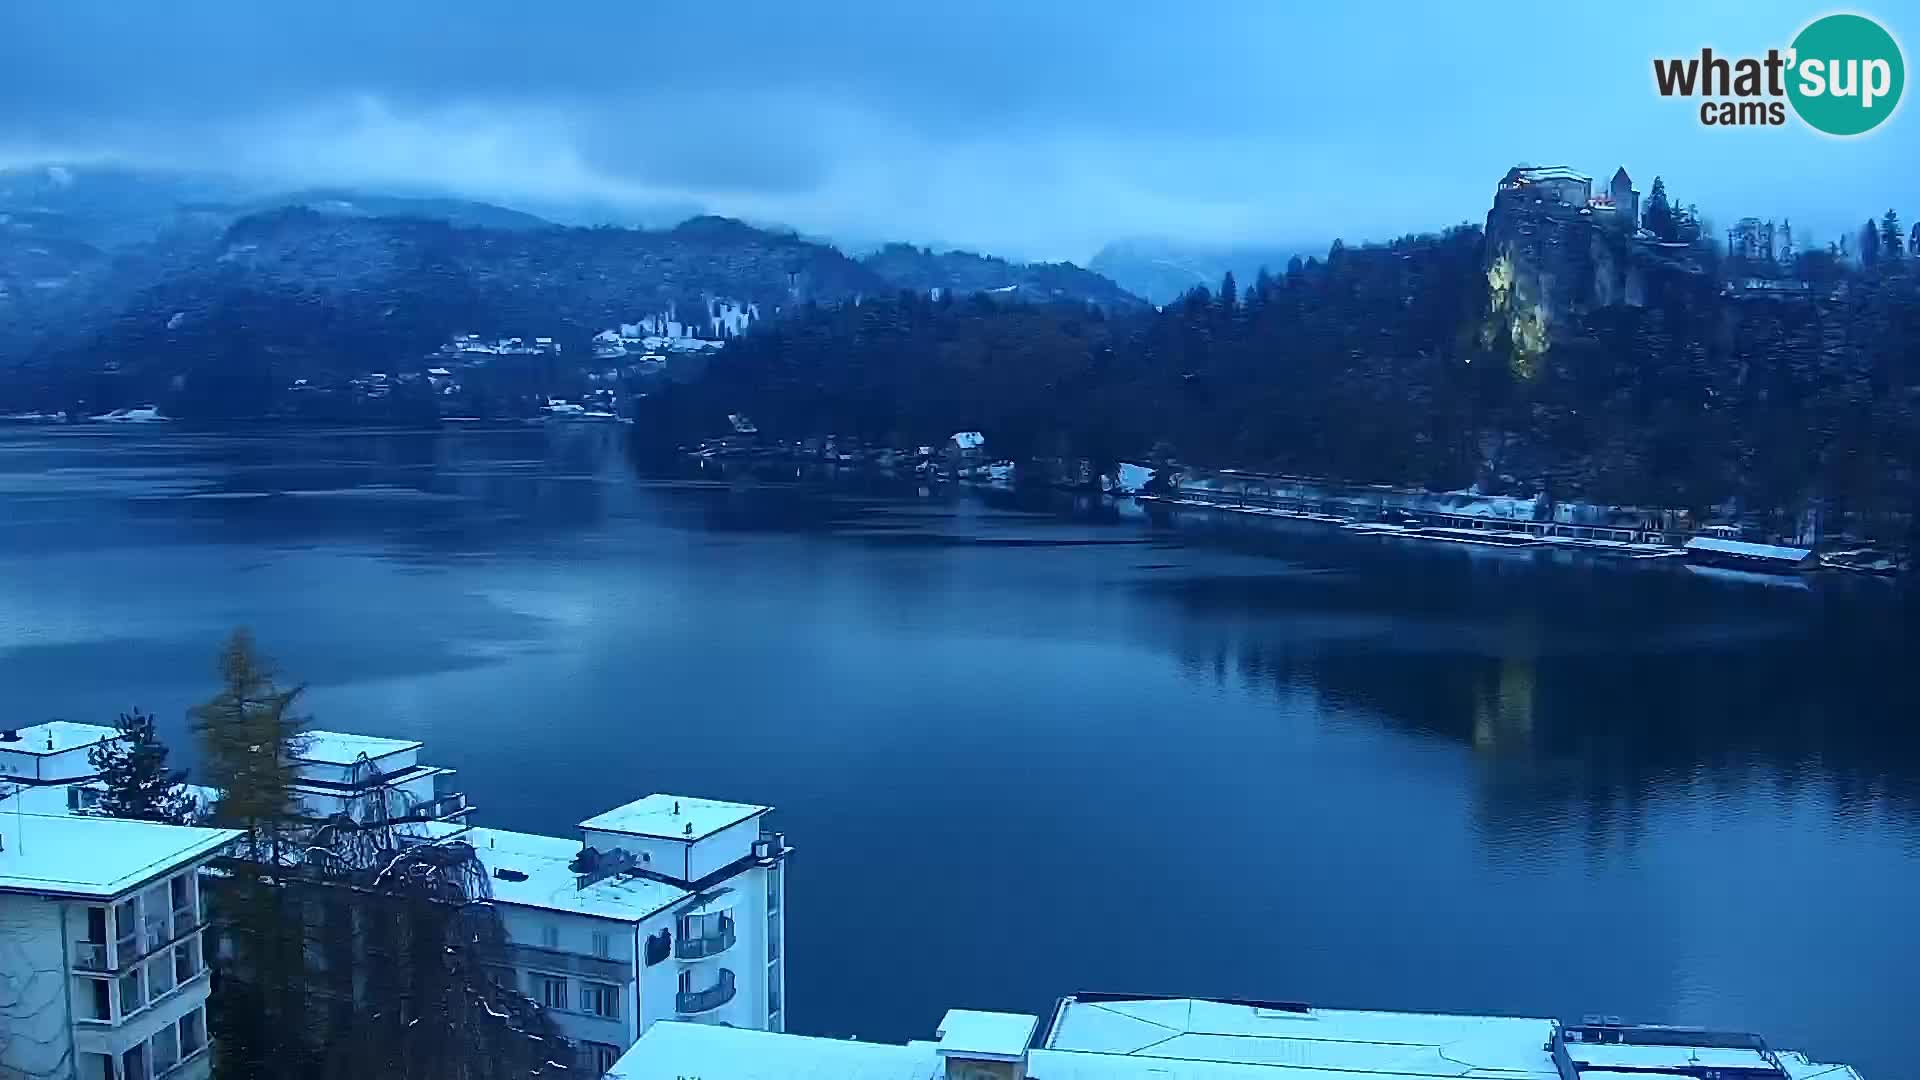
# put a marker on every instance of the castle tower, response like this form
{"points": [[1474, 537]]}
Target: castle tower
{"points": [[1626, 201], [1786, 242]]}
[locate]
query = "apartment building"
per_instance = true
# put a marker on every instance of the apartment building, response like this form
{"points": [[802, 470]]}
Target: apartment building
{"points": [[102, 966]]}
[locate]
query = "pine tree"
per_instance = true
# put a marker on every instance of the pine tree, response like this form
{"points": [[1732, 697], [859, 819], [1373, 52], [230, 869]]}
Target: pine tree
{"points": [[1890, 235], [1869, 244], [1659, 216], [1229, 293], [248, 737], [1262, 287], [133, 767]]}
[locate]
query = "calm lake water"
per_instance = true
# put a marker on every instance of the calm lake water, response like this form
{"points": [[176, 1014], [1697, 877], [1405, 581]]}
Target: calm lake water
{"points": [[1029, 749]]}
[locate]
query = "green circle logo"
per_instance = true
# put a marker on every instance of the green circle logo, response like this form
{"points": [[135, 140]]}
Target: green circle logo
{"points": [[1847, 74]]}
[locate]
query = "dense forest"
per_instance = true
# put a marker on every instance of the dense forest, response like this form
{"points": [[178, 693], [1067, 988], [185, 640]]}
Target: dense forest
{"points": [[1379, 364]]}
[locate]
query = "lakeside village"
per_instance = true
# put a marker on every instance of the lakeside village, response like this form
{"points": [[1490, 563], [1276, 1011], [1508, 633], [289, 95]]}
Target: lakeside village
{"points": [[1728, 543], [648, 945]]}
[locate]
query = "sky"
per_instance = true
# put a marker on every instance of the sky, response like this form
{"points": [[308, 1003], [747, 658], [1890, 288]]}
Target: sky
{"points": [[1035, 129]]}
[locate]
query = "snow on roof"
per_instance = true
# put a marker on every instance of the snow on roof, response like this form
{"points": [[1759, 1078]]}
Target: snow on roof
{"points": [[1167, 1039], [344, 748], [95, 857], [1741, 547], [1630, 1057], [550, 881], [1335, 1040], [1799, 1067], [969, 440], [968, 1033], [674, 1050], [56, 736], [667, 817]]}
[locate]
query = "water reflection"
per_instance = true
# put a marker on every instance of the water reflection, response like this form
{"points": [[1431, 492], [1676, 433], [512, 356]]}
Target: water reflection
{"points": [[1032, 737]]}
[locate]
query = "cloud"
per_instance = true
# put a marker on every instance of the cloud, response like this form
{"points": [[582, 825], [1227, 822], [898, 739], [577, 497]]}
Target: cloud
{"points": [[1038, 130]]}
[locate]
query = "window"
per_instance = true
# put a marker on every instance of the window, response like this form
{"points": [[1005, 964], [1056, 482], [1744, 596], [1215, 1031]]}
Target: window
{"points": [[553, 991], [193, 1031], [773, 1000], [186, 907], [133, 1063], [597, 1058], [550, 936], [160, 980], [166, 1049], [602, 948], [97, 925], [130, 1000], [102, 997], [126, 930], [600, 1000], [156, 911], [773, 941], [773, 888], [186, 961]]}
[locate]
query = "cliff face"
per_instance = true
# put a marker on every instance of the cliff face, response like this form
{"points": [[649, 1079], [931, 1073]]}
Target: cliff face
{"points": [[1552, 258]]}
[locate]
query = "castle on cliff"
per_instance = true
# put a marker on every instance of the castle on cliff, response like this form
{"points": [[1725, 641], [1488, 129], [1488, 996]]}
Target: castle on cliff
{"points": [[1556, 248], [1556, 186]]}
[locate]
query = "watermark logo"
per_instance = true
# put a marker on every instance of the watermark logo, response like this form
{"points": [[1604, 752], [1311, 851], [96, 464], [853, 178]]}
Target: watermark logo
{"points": [[1842, 75]]}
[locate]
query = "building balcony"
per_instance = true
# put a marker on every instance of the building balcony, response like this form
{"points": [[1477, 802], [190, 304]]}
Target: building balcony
{"points": [[603, 969], [696, 1002], [90, 956], [710, 944]]}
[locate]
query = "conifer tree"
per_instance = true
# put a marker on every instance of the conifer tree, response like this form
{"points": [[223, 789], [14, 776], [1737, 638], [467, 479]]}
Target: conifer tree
{"points": [[133, 766], [1659, 215]]}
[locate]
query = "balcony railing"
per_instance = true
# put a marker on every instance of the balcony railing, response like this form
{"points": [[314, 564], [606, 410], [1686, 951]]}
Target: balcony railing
{"points": [[90, 956], [695, 1002], [603, 969], [696, 948]]}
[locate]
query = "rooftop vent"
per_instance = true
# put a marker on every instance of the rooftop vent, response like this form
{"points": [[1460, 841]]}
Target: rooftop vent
{"points": [[505, 874]]}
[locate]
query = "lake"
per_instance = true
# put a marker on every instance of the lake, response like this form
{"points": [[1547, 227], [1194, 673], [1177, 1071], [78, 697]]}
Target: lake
{"points": [[1031, 746]]}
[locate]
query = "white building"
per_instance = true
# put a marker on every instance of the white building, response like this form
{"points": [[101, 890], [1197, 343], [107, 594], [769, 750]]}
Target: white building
{"points": [[667, 908], [360, 775], [1120, 1037], [102, 973], [43, 766]]}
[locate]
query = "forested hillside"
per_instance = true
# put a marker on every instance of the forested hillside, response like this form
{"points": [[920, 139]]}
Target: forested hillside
{"points": [[1379, 365]]}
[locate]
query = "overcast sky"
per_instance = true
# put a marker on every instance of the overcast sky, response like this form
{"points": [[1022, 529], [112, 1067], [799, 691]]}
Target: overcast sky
{"points": [[1035, 128]]}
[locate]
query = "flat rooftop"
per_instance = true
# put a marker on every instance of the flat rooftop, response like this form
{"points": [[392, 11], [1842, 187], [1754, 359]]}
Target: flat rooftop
{"points": [[344, 748], [1304, 1040], [1115, 1037], [1600, 1058], [549, 881], [95, 857], [668, 817], [675, 1050], [54, 737], [968, 1033]]}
